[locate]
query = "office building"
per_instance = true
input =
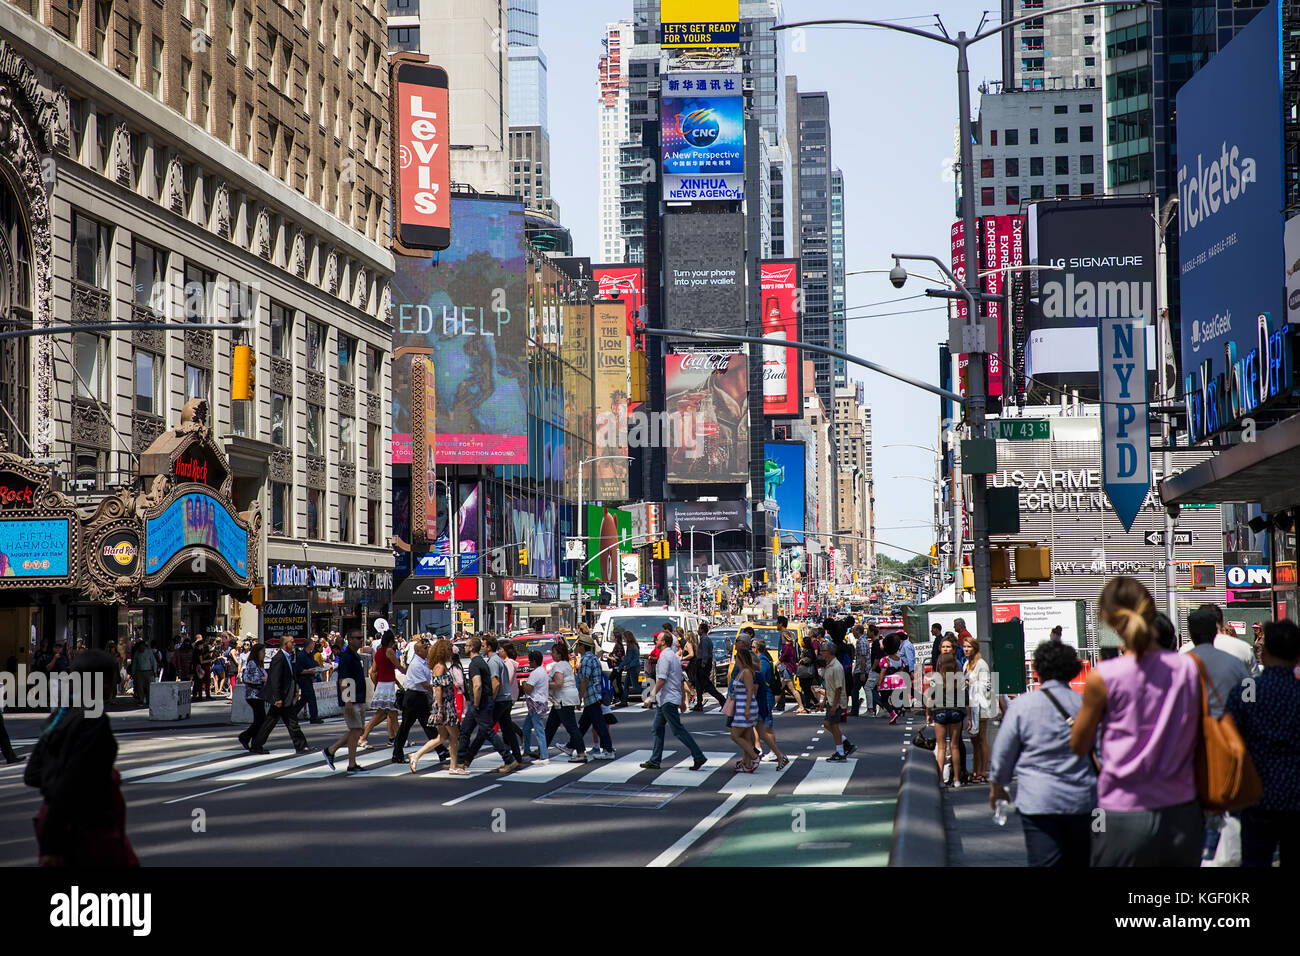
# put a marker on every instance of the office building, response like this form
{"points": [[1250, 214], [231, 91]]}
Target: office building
{"points": [[1053, 51], [611, 133]]}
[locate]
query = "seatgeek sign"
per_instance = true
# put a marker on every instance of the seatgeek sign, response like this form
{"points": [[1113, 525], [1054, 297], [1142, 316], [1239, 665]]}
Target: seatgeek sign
{"points": [[1235, 350]]}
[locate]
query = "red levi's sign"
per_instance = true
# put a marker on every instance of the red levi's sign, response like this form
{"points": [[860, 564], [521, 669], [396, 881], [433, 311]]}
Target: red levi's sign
{"points": [[423, 175]]}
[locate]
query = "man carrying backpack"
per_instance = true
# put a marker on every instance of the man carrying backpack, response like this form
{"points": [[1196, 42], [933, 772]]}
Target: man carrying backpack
{"points": [[704, 668]]}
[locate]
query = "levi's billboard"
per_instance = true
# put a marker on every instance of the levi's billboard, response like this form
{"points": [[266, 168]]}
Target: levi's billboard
{"points": [[782, 369], [421, 136]]}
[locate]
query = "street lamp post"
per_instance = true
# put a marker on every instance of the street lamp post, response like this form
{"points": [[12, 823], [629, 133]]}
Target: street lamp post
{"points": [[978, 367], [577, 583]]}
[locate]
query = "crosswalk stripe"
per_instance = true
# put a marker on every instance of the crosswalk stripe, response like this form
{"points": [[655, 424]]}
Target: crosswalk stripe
{"points": [[759, 782], [143, 771], [826, 779], [207, 769], [682, 775], [266, 770], [621, 770], [542, 773]]}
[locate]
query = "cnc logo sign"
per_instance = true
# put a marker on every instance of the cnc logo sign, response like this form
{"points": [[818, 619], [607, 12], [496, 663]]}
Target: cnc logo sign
{"points": [[701, 128], [120, 552], [421, 132]]}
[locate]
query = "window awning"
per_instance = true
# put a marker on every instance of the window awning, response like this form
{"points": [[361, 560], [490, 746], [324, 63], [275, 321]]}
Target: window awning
{"points": [[1264, 470]]}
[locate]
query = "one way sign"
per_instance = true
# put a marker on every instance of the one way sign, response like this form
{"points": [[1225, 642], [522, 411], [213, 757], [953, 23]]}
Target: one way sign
{"points": [[1158, 537]]}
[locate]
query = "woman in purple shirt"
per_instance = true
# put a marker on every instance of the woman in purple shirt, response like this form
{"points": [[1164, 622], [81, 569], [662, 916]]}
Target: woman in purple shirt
{"points": [[1143, 711]]}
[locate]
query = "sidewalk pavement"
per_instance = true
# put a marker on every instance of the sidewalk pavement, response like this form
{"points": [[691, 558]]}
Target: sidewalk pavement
{"points": [[973, 838], [128, 718]]}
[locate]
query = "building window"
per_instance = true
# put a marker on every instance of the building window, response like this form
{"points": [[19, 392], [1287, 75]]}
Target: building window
{"points": [[1062, 165], [1012, 137], [315, 514], [1085, 189], [993, 137], [149, 271], [280, 428], [1088, 61], [205, 99], [199, 285], [347, 513], [404, 38], [1012, 166], [147, 375], [197, 384], [247, 36], [1062, 189], [986, 169], [1062, 134], [986, 196], [93, 247], [156, 68], [315, 430], [103, 17], [373, 433], [1085, 107], [1085, 164], [1085, 134], [90, 355], [1061, 108], [316, 336], [374, 369], [347, 443], [230, 27], [1036, 191], [281, 509], [1013, 195], [186, 70], [281, 330], [347, 351], [1035, 165], [372, 522]]}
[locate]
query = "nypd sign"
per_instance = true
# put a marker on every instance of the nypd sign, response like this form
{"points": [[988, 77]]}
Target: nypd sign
{"points": [[1125, 431]]}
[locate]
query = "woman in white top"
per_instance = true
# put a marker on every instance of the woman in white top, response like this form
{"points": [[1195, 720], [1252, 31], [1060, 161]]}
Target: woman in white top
{"points": [[564, 698], [980, 690]]}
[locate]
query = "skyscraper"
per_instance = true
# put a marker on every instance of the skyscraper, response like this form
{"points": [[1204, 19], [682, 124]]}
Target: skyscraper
{"points": [[837, 274], [809, 128], [530, 143], [611, 133], [1051, 51]]}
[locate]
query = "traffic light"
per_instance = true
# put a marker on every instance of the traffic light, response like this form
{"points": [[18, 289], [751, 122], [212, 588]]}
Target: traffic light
{"points": [[934, 554], [661, 549], [523, 555], [243, 380], [1202, 575], [776, 544]]}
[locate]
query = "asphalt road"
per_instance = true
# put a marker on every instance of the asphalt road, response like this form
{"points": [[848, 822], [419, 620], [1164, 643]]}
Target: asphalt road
{"points": [[195, 798]]}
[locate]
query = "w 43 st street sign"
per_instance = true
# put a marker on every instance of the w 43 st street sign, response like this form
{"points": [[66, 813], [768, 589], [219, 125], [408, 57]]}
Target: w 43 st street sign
{"points": [[1158, 537]]}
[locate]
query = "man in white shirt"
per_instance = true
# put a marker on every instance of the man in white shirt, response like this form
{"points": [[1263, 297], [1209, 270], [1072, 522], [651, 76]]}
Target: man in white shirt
{"points": [[416, 699], [668, 705], [1224, 641]]}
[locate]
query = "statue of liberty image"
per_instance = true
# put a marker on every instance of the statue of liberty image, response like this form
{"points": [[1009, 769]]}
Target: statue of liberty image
{"points": [[773, 478]]}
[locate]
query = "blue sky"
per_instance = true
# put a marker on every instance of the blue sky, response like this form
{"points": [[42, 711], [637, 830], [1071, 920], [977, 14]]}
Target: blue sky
{"points": [[893, 114]]}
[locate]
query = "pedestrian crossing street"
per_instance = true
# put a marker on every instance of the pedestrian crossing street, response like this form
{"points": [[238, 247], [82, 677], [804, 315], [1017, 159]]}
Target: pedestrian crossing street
{"points": [[811, 776]]}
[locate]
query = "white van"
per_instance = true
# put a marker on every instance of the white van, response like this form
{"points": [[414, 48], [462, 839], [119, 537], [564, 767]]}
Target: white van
{"points": [[643, 622]]}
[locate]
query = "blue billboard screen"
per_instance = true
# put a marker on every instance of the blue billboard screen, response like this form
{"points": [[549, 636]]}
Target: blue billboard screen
{"points": [[784, 478], [195, 519], [1230, 191], [34, 548]]}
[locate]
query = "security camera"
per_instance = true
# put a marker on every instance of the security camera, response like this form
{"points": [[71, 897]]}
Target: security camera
{"points": [[898, 276]]}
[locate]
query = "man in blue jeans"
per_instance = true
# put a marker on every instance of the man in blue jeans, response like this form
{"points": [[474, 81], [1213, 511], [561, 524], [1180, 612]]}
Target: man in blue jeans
{"points": [[668, 697], [589, 693]]}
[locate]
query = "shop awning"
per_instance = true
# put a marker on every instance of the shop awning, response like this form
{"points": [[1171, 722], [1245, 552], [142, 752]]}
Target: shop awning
{"points": [[1263, 470]]}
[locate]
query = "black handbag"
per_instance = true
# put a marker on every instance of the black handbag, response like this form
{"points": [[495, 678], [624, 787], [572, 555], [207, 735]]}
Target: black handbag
{"points": [[924, 742]]}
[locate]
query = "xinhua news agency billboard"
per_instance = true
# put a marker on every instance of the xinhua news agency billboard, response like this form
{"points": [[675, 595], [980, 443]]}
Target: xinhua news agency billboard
{"points": [[782, 369], [702, 129], [783, 482], [1230, 227], [1099, 256], [466, 310]]}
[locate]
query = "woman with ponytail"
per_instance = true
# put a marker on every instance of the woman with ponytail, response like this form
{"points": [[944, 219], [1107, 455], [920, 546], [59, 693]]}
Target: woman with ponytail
{"points": [[1142, 713]]}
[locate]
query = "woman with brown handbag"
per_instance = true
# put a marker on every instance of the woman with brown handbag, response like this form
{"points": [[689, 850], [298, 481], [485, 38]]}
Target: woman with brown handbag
{"points": [[1142, 709]]}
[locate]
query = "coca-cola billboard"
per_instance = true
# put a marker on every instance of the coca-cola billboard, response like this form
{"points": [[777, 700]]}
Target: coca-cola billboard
{"points": [[707, 395], [782, 370]]}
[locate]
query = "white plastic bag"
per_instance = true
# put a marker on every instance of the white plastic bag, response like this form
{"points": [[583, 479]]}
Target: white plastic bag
{"points": [[1228, 852]]}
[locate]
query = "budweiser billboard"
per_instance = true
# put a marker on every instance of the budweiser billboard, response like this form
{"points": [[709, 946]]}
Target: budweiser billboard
{"points": [[422, 173], [625, 283], [708, 394], [782, 369]]}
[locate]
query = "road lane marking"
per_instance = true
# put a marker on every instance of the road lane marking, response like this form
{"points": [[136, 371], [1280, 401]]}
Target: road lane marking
{"points": [[452, 803], [707, 823], [621, 770], [682, 775], [826, 779], [203, 794]]}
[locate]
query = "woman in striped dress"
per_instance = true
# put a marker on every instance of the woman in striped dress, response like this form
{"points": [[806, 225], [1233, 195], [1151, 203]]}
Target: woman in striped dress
{"points": [[745, 714]]}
